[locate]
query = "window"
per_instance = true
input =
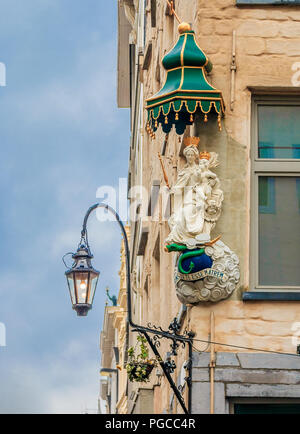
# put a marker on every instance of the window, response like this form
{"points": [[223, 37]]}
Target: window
{"points": [[267, 2], [153, 13], [266, 408], [275, 200]]}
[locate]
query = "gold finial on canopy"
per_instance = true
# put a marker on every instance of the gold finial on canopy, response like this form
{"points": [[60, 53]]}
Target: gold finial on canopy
{"points": [[184, 27]]}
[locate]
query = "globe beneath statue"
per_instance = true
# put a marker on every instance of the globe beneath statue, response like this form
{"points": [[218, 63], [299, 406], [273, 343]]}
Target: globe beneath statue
{"points": [[192, 261]]}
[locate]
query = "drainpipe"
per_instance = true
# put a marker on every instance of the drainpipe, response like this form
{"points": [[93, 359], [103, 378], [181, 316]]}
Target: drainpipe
{"points": [[212, 364], [136, 395], [233, 69]]}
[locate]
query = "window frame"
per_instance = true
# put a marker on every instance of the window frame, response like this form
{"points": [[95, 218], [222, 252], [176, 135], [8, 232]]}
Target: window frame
{"points": [[270, 400], [266, 167]]}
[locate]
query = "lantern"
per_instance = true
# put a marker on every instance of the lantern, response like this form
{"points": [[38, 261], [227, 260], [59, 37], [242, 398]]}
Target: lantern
{"points": [[82, 280]]}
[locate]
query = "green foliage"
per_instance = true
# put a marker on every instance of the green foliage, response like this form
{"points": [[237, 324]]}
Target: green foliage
{"points": [[130, 351], [139, 365]]}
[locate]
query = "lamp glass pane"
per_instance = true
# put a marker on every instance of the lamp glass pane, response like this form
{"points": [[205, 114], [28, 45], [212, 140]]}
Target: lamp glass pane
{"points": [[71, 288], [93, 285], [82, 284]]}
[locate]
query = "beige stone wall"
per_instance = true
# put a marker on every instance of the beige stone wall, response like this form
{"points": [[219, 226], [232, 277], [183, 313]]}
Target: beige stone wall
{"points": [[261, 325], [120, 319], [267, 45]]}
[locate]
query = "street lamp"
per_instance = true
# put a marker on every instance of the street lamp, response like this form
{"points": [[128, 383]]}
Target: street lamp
{"points": [[82, 278], [82, 281]]}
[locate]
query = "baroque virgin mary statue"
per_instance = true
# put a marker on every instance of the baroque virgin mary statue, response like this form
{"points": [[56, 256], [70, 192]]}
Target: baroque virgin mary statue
{"points": [[205, 270], [197, 198]]}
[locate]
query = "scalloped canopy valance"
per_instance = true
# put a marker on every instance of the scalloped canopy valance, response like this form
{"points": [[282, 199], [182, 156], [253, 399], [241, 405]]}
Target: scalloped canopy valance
{"points": [[186, 90]]}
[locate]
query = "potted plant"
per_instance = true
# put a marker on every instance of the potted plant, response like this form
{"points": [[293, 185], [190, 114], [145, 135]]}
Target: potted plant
{"points": [[139, 366]]}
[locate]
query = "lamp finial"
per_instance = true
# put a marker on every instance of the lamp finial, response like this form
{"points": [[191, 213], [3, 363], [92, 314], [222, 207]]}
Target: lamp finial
{"points": [[184, 27]]}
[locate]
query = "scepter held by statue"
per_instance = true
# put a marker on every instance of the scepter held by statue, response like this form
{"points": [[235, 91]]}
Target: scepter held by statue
{"points": [[164, 171]]}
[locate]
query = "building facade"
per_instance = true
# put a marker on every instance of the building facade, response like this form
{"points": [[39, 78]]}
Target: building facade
{"points": [[113, 345], [254, 49]]}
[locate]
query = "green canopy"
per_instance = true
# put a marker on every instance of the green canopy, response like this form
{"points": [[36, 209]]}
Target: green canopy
{"points": [[186, 90]]}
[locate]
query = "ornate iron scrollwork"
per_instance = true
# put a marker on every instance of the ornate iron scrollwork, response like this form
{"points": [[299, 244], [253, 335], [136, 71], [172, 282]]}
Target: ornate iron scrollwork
{"points": [[174, 345], [156, 340], [174, 327], [155, 327], [170, 366]]}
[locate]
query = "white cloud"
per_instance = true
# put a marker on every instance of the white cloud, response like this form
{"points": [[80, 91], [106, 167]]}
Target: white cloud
{"points": [[25, 13], [84, 94], [66, 382], [51, 362]]}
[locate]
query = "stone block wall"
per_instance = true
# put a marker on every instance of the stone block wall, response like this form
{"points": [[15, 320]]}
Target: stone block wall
{"points": [[243, 375], [267, 47]]}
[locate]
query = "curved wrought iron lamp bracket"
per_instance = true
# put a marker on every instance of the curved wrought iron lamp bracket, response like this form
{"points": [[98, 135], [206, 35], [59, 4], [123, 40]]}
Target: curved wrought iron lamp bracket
{"points": [[168, 366]]}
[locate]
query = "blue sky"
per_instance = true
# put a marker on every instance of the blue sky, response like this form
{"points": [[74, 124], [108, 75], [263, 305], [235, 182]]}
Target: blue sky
{"points": [[62, 137]]}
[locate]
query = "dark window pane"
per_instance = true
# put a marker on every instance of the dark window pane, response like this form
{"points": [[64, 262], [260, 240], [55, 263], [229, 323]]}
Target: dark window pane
{"points": [[266, 194], [278, 131], [279, 230], [268, 2], [267, 408]]}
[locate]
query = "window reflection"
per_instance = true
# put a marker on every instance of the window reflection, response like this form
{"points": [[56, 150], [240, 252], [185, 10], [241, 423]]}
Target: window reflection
{"points": [[279, 132], [279, 230]]}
